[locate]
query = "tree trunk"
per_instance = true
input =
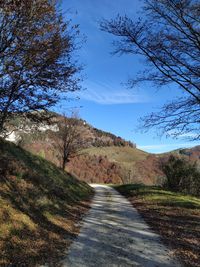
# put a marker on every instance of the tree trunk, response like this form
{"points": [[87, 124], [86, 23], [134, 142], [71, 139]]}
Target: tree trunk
{"points": [[64, 163]]}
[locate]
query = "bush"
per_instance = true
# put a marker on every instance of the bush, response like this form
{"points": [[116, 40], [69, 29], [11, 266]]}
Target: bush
{"points": [[181, 175]]}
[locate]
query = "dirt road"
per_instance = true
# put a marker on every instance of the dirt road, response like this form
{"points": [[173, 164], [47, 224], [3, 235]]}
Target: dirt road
{"points": [[114, 234]]}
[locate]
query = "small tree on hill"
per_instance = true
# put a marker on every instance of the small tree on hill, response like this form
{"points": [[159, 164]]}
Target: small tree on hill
{"points": [[69, 138], [36, 66]]}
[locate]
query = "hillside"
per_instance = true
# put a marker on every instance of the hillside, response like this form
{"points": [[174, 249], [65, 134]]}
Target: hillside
{"points": [[105, 158], [116, 165], [123, 155], [190, 153], [124, 165], [99, 162], [39, 208], [24, 131]]}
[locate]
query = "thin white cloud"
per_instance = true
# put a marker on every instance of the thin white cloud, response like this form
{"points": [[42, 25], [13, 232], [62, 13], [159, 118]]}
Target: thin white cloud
{"points": [[154, 146], [107, 95], [166, 147]]}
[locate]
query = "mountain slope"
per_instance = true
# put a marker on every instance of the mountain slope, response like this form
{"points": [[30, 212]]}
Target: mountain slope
{"points": [[191, 153], [116, 165], [39, 207], [105, 158], [122, 155], [23, 131]]}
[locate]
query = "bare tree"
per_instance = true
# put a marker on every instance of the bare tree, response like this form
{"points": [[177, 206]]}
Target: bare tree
{"points": [[36, 58], [69, 138], [168, 37]]}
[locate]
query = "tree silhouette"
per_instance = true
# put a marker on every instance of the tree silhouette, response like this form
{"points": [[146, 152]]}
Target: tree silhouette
{"points": [[69, 138], [36, 64], [168, 37]]}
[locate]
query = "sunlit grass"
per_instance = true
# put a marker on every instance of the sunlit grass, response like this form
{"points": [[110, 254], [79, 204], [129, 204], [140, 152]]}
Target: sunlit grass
{"points": [[159, 196], [123, 155]]}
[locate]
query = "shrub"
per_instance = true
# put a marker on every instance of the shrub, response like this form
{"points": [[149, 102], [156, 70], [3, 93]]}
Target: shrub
{"points": [[181, 175]]}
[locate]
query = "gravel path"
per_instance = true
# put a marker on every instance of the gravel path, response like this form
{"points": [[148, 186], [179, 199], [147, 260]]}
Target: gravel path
{"points": [[114, 234]]}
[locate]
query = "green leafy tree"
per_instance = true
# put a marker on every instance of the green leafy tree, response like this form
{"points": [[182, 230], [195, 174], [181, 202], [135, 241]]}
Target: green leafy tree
{"points": [[182, 175]]}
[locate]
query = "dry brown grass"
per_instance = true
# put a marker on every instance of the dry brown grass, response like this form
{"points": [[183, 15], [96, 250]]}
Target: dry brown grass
{"points": [[39, 208], [26, 241]]}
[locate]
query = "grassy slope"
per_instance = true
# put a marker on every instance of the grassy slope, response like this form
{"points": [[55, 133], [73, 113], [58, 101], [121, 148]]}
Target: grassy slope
{"points": [[125, 156], [175, 217], [39, 206], [136, 165]]}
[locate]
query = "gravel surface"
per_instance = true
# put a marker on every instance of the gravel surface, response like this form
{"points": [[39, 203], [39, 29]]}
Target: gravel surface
{"points": [[114, 234]]}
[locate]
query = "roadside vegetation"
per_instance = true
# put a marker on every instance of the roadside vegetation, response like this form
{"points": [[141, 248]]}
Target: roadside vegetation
{"points": [[182, 175], [40, 206], [175, 216]]}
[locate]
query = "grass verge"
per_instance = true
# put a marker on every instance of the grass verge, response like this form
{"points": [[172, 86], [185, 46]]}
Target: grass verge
{"points": [[176, 217], [40, 206]]}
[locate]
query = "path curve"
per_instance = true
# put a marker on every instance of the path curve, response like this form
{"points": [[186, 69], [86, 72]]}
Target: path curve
{"points": [[114, 234]]}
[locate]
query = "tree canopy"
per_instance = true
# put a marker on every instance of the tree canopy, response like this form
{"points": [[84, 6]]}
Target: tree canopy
{"points": [[37, 61]]}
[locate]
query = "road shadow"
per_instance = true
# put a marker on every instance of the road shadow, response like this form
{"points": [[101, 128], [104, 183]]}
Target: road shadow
{"points": [[114, 234]]}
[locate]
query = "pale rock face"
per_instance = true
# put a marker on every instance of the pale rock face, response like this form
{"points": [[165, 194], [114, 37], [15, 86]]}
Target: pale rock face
{"points": [[44, 128], [14, 136]]}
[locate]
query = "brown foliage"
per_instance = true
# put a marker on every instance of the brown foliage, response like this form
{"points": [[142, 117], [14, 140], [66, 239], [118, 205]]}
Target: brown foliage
{"points": [[36, 65], [149, 170], [95, 169]]}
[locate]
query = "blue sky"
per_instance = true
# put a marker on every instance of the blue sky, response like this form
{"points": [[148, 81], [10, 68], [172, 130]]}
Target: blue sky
{"points": [[106, 103]]}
